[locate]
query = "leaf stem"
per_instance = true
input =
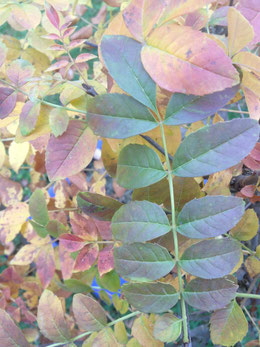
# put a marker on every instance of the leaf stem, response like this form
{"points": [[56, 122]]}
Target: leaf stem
{"points": [[248, 295], [175, 238], [130, 315], [43, 101], [234, 111]]}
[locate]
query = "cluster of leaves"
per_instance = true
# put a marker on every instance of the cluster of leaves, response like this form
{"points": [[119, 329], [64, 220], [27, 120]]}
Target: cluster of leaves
{"points": [[151, 79]]}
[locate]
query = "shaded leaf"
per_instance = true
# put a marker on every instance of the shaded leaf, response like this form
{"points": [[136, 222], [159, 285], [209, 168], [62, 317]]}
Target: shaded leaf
{"points": [[76, 286], [109, 281], [50, 318], [10, 334], [7, 101], [118, 116], [211, 258], [71, 243], [210, 216], [228, 325], [121, 53], [253, 266], [210, 295], [38, 208], [71, 152], [139, 221], [184, 108], [240, 31], [167, 328], [105, 260], [106, 338], [216, 147], [247, 228], [59, 121], [138, 166], [176, 57], [98, 206], [89, 315], [86, 257], [151, 297], [120, 333], [143, 261]]}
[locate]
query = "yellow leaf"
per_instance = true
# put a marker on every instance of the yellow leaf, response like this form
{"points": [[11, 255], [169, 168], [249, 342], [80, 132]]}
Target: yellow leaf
{"points": [[2, 154], [253, 103], [253, 266], [17, 154], [38, 59], [248, 62], [25, 256], [42, 126], [240, 31], [251, 82], [247, 228], [120, 333], [11, 221], [14, 47], [142, 330]]}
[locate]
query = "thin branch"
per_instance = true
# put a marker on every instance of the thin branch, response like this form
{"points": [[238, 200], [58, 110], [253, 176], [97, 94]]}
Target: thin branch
{"points": [[156, 145], [251, 287], [234, 111]]}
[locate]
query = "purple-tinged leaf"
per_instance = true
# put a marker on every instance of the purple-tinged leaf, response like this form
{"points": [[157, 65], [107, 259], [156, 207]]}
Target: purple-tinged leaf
{"points": [[143, 261], [71, 152], [7, 101], [211, 258], [19, 71], [82, 58], [151, 297], [122, 56], [184, 108], [210, 216], [52, 15], [139, 221], [215, 148], [118, 116], [138, 166], [86, 257], [58, 65], [97, 205], [88, 313], [10, 334], [210, 295], [28, 117], [71, 243]]}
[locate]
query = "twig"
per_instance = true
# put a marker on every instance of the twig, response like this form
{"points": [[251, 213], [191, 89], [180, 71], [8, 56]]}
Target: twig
{"points": [[156, 145], [251, 287]]}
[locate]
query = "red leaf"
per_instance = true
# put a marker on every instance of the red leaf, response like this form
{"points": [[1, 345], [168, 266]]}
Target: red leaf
{"points": [[7, 101], [71, 243], [76, 43], [56, 48], [248, 191], [66, 262], [58, 65], [51, 37], [86, 257], [71, 152], [105, 260], [84, 227], [82, 58], [69, 31], [45, 265], [52, 15]]}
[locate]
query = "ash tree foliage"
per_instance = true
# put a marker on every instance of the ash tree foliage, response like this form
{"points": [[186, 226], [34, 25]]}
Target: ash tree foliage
{"points": [[172, 88]]}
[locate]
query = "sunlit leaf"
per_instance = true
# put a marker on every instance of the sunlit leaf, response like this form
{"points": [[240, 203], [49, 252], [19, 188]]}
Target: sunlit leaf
{"points": [[138, 166], [151, 297], [105, 337], [184, 108], [176, 57], [45, 264], [72, 243], [27, 15], [29, 117], [210, 216], [142, 330], [211, 294], [98, 206], [139, 221], [167, 328], [17, 154], [143, 261], [240, 31], [216, 147], [10, 334], [52, 15], [211, 258], [88, 313], [247, 228], [59, 121], [25, 255], [122, 53], [248, 61], [106, 261], [71, 152], [228, 325], [50, 318], [19, 71], [118, 116]]}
